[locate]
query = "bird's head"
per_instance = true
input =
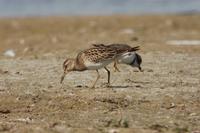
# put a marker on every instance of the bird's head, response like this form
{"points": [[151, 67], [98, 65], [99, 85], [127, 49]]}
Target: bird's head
{"points": [[137, 61], [68, 66]]}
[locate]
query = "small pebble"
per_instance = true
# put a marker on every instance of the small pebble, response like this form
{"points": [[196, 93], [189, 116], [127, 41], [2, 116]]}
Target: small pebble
{"points": [[9, 53], [4, 111], [172, 105], [149, 70]]}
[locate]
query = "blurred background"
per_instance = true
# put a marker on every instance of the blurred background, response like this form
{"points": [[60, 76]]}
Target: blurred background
{"points": [[37, 27], [36, 36], [10, 8]]}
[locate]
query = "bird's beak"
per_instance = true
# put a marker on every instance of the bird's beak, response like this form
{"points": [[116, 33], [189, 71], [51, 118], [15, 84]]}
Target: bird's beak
{"points": [[63, 76], [140, 69]]}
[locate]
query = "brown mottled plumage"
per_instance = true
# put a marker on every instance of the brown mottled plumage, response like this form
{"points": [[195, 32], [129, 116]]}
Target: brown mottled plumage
{"points": [[98, 54], [119, 48], [93, 58], [125, 54]]}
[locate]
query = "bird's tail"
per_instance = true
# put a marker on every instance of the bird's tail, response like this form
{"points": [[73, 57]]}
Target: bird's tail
{"points": [[98, 45], [134, 49]]}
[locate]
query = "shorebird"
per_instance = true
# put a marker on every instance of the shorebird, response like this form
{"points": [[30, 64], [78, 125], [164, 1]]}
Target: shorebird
{"points": [[130, 58], [93, 58]]}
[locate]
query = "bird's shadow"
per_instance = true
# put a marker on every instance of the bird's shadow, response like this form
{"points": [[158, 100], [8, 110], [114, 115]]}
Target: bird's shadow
{"points": [[120, 86], [138, 82], [138, 85], [123, 86]]}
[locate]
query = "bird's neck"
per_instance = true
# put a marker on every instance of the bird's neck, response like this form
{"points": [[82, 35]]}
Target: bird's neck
{"points": [[79, 65]]}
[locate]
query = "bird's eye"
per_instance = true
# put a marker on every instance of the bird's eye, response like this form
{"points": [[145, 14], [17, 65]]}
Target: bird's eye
{"points": [[129, 54]]}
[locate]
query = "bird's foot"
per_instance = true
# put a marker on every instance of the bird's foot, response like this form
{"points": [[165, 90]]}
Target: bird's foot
{"points": [[92, 87], [116, 70], [106, 85]]}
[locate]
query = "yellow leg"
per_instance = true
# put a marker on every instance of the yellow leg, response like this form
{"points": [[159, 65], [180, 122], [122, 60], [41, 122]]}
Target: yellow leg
{"points": [[108, 75], [115, 66], [98, 76]]}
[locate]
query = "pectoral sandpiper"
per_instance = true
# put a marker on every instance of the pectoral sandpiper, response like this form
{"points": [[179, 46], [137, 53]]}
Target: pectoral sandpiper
{"points": [[94, 58]]}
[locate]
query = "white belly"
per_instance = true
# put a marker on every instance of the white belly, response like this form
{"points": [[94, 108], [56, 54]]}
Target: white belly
{"points": [[95, 66]]}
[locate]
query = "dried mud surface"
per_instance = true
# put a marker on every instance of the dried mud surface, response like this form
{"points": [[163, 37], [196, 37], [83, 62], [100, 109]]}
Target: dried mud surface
{"points": [[163, 98]]}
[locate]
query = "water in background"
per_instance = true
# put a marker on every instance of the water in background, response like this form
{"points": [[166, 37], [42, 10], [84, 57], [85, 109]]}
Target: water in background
{"points": [[10, 8]]}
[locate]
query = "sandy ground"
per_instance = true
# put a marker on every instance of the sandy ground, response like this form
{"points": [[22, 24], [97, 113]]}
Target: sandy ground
{"points": [[163, 98]]}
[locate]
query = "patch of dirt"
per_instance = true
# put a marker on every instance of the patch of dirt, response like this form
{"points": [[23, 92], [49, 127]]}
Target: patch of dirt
{"points": [[164, 97]]}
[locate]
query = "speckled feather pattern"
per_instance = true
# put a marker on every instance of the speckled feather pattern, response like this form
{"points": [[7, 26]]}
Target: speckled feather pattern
{"points": [[98, 54], [125, 53], [119, 48], [94, 58]]}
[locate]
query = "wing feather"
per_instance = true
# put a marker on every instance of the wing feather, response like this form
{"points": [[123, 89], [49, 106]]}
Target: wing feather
{"points": [[98, 54], [120, 48]]}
